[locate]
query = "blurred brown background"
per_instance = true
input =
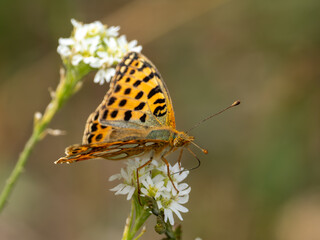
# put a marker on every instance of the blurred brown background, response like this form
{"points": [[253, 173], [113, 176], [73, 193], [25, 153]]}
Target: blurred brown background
{"points": [[261, 177]]}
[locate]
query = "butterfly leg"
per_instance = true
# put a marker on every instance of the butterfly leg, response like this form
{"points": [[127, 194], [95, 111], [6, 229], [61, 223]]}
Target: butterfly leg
{"points": [[138, 182], [168, 169]]}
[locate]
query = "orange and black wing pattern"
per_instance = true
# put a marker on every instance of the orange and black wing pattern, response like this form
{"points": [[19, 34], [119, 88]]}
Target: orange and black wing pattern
{"points": [[137, 99]]}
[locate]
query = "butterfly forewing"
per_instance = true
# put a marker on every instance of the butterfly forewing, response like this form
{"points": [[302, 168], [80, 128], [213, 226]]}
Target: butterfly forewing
{"points": [[133, 118], [137, 99]]}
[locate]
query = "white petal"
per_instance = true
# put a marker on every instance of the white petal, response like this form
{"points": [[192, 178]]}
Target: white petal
{"points": [[114, 177], [75, 23], [145, 183], [93, 44], [182, 176], [159, 184], [168, 215], [76, 59], [144, 191], [131, 193], [109, 74], [159, 204], [177, 213], [132, 44], [183, 199], [111, 43], [158, 178], [136, 49], [124, 191], [99, 77], [90, 60], [80, 33], [118, 187], [95, 63], [122, 41], [149, 181], [64, 50], [185, 192], [95, 28], [179, 207], [66, 41], [113, 31]]}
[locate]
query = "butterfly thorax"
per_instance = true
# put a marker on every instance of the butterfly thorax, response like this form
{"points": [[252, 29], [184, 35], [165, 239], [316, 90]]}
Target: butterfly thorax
{"points": [[170, 135]]}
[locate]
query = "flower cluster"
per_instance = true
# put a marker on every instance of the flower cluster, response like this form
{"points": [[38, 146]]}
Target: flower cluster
{"points": [[155, 183], [97, 46]]}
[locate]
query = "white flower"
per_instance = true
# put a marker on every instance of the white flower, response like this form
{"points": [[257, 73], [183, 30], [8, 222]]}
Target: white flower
{"points": [[113, 31], [155, 183], [123, 188], [96, 46], [103, 75], [128, 47]]}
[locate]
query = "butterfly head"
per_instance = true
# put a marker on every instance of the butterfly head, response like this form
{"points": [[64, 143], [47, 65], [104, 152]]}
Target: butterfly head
{"points": [[182, 139]]}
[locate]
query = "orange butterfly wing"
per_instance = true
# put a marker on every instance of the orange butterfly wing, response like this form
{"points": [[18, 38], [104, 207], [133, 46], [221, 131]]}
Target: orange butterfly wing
{"points": [[137, 102], [111, 151], [137, 99]]}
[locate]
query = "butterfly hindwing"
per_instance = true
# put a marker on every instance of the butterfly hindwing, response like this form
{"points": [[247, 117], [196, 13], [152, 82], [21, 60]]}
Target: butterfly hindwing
{"points": [[137, 99], [111, 151]]}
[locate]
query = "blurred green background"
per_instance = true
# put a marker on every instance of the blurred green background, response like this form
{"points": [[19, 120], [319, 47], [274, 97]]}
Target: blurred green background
{"points": [[261, 178]]}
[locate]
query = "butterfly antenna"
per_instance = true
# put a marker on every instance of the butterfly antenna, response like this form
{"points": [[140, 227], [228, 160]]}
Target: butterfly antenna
{"points": [[205, 151], [236, 103]]}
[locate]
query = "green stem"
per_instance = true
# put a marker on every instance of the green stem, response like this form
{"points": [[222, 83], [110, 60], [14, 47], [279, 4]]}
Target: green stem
{"points": [[132, 227], [66, 88], [17, 170]]}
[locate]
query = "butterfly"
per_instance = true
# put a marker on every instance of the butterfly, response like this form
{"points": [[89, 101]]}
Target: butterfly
{"points": [[135, 119]]}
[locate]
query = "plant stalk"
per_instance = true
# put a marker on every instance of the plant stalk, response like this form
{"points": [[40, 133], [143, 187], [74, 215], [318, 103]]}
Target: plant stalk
{"points": [[68, 85]]}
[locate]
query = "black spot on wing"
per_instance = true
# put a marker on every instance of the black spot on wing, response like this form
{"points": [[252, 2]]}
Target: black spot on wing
{"points": [[127, 91], [147, 78], [143, 118], [154, 91], [127, 115], [114, 113], [90, 138], [111, 101], [94, 127], [157, 75], [99, 137], [117, 88], [105, 114], [144, 65], [137, 83], [139, 95], [159, 100], [159, 111], [122, 102], [140, 106], [96, 116]]}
